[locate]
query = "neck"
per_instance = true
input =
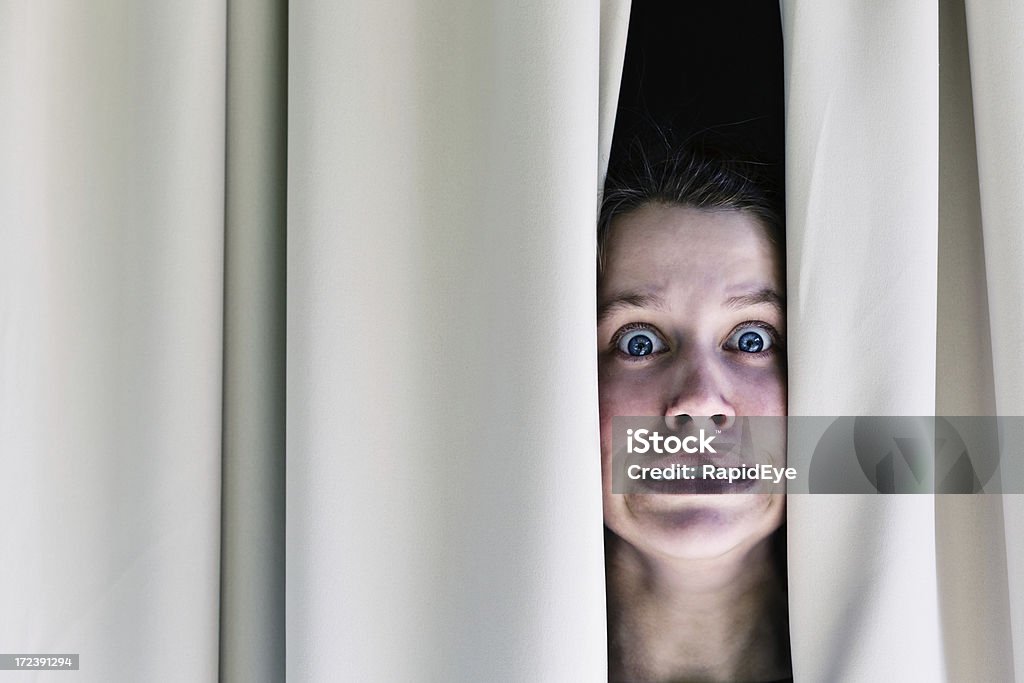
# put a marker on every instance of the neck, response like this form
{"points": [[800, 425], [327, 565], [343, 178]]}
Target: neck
{"points": [[719, 619]]}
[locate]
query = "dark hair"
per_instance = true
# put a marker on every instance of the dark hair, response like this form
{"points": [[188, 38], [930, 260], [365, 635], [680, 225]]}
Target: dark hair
{"points": [[692, 176]]}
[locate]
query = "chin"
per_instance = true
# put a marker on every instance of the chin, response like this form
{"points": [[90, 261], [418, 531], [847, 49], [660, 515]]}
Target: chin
{"points": [[694, 527]]}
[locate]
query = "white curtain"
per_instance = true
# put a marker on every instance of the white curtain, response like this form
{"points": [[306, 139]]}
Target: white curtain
{"points": [[444, 512], [439, 199], [361, 235], [112, 174], [905, 298]]}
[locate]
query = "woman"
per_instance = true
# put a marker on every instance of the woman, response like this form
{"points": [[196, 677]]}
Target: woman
{"points": [[691, 328]]}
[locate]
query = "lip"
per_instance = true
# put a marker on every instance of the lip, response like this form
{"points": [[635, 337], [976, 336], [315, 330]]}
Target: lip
{"points": [[697, 485], [743, 444], [728, 455], [691, 487]]}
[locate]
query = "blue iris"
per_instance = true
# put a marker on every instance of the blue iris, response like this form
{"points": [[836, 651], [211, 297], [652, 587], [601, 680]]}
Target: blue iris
{"points": [[751, 342], [640, 345]]}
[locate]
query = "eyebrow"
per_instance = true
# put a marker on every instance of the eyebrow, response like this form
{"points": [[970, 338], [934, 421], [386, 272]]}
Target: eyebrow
{"points": [[766, 295], [630, 300]]}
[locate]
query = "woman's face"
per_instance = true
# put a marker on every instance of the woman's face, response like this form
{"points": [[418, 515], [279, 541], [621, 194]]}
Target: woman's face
{"points": [[691, 322]]}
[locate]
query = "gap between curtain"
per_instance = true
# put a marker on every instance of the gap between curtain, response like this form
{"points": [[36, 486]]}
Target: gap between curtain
{"points": [[252, 577]]}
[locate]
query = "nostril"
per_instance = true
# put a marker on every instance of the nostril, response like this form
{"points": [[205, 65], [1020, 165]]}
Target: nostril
{"points": [[677, 422], [722, 422]]}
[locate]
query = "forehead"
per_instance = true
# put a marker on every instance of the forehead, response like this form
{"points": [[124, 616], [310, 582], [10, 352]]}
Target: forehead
{"points": [[664, 246]]}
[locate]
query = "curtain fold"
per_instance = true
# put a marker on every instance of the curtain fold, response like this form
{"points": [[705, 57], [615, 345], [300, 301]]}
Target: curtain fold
{"points": [[252, 588], [970, 535], [444, 512], [905, 294], [861, 170], [111, 272], [996, 50]]}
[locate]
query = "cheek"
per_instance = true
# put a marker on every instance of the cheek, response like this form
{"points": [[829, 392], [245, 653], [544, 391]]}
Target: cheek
{"points": [[629, 391], [759, 390], [625, 391]]}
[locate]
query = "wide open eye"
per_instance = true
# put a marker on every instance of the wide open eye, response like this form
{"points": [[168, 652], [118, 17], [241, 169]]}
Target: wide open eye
{"points": [[750, 339], [639, 342]]}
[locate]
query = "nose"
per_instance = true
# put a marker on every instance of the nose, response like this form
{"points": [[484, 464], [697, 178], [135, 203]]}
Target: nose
{"points": [[700, 398]]}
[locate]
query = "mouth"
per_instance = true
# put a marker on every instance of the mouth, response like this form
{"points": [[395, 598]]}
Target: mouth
{"points": [[684, 473], [727, 461], [695, 486]]}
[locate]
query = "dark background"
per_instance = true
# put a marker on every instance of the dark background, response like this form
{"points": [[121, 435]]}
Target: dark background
{"points": [[707, 71]]}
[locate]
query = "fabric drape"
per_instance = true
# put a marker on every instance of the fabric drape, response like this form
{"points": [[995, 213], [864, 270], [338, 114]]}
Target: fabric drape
{"points": [[904, 299], [443, 495], [427, 173], [443, 498], [142, 359], [111, 325], [252, 579]]}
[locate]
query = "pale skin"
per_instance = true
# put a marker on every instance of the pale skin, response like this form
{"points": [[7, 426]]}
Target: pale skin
{"points": [[691, 322]]}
